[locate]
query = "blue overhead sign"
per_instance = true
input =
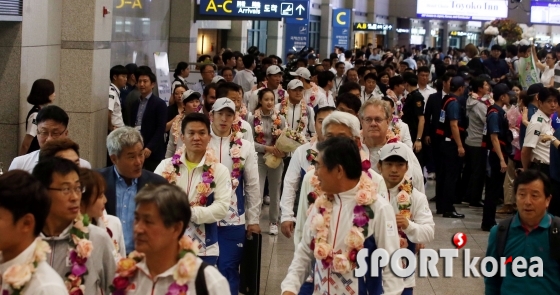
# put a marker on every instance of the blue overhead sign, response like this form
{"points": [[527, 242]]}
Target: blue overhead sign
{"points": [[264, 9], [296, 36], [341, 28]]}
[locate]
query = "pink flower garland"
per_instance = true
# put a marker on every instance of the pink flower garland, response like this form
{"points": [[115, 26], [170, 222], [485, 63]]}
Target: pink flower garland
{"points": [[302, 122], [80, 251], [184, 272], [235, 144], [203, 188], [346, 261], [17, 276], [314, 90], [259, 131]]}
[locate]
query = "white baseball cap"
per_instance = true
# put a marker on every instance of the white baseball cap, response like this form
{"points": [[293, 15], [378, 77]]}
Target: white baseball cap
{"points": [[295, 83], [222, 103], [393, 149], [302, 72], [217, 79], [187, 94], [273, 70]]}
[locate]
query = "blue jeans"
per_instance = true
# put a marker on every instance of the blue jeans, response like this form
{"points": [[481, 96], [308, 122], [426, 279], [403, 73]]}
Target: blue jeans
{"points": [[231, 239]]}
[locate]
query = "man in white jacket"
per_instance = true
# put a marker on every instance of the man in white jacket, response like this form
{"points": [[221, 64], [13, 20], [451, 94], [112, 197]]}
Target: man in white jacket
{"points": [[339, 182], [238, 155], [413, 214], [206, 181]]}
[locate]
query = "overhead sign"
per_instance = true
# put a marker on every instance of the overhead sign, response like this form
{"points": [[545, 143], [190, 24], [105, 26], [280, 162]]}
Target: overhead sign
{"points": [[465, 10], [341, 28], [264, 9], [402, 31], [461, 34], [372, 27], [545, 12], [418, 31], [341, 18], [296, 36]]}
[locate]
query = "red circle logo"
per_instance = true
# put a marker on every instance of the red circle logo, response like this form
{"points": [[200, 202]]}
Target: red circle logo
{"points": [[459, 240]]}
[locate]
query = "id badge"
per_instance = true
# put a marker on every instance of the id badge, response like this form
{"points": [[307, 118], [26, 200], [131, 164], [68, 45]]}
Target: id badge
{"points": [[442, 116], [485, 129]]}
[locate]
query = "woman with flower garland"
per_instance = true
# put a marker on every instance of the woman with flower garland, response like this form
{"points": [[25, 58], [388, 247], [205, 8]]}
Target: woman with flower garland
{"points": [[414, 218], [190, 104], [348, 215], [69, 233], [267, 126], [93, 204], [24, 206], [398, 126], [195, 168], [166, 261]]}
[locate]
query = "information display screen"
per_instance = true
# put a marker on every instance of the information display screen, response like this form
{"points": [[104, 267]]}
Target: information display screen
{"points": [[545, 11], [462, 9]]}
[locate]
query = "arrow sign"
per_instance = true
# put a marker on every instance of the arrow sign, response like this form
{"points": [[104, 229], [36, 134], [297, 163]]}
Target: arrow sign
{"points": [[300, 9]]}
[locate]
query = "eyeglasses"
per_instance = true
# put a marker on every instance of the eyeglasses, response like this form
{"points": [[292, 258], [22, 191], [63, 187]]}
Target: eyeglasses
{"points": [[67, 190], [377, 120], [46, 133]]}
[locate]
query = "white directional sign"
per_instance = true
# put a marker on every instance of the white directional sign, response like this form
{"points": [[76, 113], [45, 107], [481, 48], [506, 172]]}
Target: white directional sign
{"points": [[287, 9], [300, 9]]}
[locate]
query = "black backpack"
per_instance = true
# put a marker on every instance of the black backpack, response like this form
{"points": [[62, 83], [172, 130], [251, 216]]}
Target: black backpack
{"points": [[505, 136], [553, 238]]}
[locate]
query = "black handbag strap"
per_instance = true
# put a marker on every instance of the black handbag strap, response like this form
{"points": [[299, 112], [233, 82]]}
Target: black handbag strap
{"points": [[200, 281]]}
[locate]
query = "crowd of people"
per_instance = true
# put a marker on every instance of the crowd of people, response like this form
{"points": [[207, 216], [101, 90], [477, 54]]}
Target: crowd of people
{"points": [[185, 183]]}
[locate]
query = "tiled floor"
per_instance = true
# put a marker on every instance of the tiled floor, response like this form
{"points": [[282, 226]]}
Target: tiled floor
{"points": [[278, 251]]}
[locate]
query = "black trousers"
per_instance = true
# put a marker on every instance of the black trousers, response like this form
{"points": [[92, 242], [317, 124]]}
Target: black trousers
{"points": [[438, 163], [475, 174], [494, 190], [451, 170]]}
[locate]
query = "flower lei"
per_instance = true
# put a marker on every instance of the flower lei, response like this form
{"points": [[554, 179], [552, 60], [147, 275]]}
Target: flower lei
{"points": [[12, 276], [176, 128], [259, 131], [281, 93], [404, 204], [311, 155], [393, 134], [184, 272], [243, 112], [303, 117], [80, 251], [343, 262], [173, 170], [235, 144], [314, 90], [486, 99]]}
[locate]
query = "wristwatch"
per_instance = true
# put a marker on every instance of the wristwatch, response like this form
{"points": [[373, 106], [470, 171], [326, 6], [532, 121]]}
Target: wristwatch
{"points": [[419, 139]]}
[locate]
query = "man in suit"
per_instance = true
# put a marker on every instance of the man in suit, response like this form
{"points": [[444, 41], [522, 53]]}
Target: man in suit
{"points": [[126, 177], [149, 115], [432, 116]]}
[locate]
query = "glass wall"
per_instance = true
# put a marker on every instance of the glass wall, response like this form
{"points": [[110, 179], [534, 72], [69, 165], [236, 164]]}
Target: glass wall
{"points": [[140, 28], [257, 35], [314, 32]]}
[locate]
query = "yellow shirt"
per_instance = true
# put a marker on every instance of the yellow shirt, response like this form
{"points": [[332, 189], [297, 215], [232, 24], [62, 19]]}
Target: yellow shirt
{"points": [[191, 166]]}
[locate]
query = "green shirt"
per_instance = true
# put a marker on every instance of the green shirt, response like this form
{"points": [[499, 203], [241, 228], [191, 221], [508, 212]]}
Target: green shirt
{"points": [[190, 165], [521, 242]]}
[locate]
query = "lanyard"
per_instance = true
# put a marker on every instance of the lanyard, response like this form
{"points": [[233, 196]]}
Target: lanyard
{"points": [[339, 84], [366, 99]]}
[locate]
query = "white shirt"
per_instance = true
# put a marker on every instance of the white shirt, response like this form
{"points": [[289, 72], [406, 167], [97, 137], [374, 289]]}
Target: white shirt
{"points": [[375, 94], [319, 100], [115, 106], [329, 96], [405, 133], [246, 79], [250, 178], [198, 87], [215, 281], [347, 66], [382, 228], [28, 161], [293, 114], [420, 228], [207, 214], [32, 124], [113, 224], [539, 125], [426, 92], [175, 83], [306, 188], [44, 281], [338, 81]]}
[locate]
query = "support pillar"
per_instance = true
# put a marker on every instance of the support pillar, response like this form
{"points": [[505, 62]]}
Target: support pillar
{"points": [[183, 32]]}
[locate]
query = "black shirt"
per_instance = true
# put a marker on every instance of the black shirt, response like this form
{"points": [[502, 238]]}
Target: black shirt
{"points": [[412, 109]]}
